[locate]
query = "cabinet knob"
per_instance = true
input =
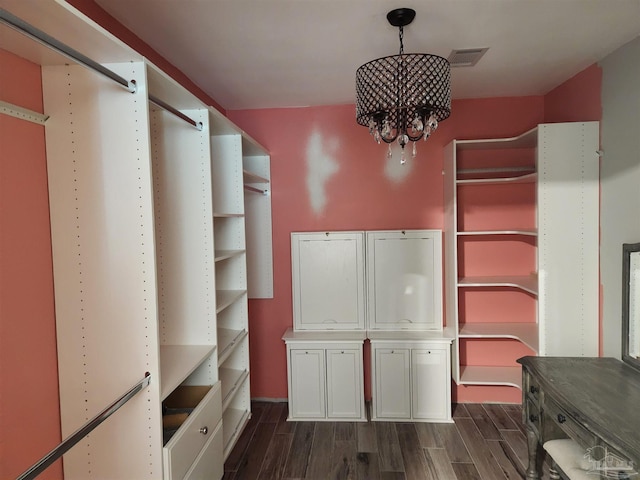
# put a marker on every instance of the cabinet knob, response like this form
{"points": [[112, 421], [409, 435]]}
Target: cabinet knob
{"points": [[533, 418], [561, 418], [533, 389], [342, 351], [204, 430]]}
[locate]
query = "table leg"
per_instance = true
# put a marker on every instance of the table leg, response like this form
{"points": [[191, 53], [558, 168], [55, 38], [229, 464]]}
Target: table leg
{"points": [[533, 446]]}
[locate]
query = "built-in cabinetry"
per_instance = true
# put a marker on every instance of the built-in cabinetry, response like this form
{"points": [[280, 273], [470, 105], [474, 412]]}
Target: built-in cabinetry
{"points": [[521, 249], [411, 375], [404, 280], [149, 255], [328, 280], [385, 286], [326, 378]]}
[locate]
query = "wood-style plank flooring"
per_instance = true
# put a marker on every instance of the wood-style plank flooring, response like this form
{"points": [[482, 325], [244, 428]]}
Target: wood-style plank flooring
{"points": [[486, 442]]}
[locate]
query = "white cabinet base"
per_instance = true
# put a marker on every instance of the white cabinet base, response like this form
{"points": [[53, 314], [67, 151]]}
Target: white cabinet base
{"points": [[325, 375], [411, 377]]}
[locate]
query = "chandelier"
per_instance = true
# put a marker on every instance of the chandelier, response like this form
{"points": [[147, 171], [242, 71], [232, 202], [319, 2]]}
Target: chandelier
{"points": [[403, 97]]}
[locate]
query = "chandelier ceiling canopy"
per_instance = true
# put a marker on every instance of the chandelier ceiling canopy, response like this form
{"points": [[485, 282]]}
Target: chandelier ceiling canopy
{"points": [[403, 97]]}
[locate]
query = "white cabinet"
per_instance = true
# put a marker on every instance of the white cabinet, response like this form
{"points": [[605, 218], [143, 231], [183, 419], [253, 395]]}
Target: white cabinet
{"points": [[345, 390], [328, 280], [430, 382], [404, 280], [149, 256], [325, 375], [521, 249], [411, 377], [307, 383], [392, 382]]}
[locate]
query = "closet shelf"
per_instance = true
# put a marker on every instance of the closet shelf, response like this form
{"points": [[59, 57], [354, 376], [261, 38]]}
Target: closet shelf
{"points": [[516, 231], [227, 215], [225, 298], [528, 283], [226, 254], [231, 379], [495, 180], [227, 341], [526, 333], [528, 139], [250, 177], [505, 376], [233, 421], [177, 362]]}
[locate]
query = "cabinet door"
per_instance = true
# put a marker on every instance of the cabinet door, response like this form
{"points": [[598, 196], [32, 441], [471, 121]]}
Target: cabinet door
{"points": [[306, 385], [328, 280], [392, 389], [344, 383], [405, 280], [430, 382]]}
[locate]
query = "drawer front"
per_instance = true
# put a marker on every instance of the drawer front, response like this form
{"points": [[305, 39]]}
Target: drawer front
{"points": [[572, 428], [209, 465], [532, 416], [183, 448], [531, 387]]}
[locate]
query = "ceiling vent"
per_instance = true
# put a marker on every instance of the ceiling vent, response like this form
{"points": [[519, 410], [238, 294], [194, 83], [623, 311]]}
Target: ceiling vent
{"points": [[466, 57]]}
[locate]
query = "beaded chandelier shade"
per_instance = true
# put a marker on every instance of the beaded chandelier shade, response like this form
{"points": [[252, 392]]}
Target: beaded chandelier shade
{"points": [[403, 97]]}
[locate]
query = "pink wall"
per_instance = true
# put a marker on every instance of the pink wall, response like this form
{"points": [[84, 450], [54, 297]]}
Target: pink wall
{"points": [[360, 195], [29, 407], [576, 100]]}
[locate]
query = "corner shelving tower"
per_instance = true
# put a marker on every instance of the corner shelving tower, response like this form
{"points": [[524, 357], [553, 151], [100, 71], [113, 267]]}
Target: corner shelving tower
{"points": [[521, 230]]}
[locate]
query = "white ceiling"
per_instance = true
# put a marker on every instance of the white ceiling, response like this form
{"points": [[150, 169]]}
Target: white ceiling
{"points": [[288, 53]]}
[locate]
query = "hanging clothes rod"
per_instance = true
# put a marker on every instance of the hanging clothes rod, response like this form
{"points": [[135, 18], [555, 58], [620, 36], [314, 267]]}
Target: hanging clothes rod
{"points": [[177, 113], [50, 42], [79, 434], [256, 190]]}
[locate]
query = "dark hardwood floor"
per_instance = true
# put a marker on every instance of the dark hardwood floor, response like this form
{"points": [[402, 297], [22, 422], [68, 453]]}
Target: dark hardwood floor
{"points": [[486, 442]]}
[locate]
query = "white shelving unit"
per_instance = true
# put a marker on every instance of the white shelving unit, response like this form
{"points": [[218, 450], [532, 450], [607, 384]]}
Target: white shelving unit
{"points": [[560, 162], [149, 254]]}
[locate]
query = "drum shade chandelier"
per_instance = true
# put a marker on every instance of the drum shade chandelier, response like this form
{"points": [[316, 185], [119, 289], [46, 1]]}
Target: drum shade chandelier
{"points": [[403, 97]]}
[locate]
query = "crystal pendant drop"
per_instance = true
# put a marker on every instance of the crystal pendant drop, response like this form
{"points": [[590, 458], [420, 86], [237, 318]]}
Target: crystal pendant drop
{"points": [[432, 123], [372, 126], [414, 150], [376, 136], [416, 127], [389, 152], [403, 159], [427, 133]]}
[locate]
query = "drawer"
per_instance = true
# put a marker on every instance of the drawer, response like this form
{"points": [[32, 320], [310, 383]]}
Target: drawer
{"points": [[181, 451], [531, 387], [532, 416], [209, 465], [565, 421]]}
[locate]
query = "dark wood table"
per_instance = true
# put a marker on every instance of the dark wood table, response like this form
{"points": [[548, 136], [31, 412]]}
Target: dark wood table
{"points": [[594, 401]]}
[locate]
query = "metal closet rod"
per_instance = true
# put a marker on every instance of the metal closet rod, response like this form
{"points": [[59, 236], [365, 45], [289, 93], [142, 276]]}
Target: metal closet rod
{"points": [[79, 434], [48, 41], [43, 38], [256, 190], [176, 112]]}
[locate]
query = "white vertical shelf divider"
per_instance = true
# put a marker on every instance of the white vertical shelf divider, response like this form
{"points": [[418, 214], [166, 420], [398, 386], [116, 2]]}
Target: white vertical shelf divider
{"points": [[101, 204]]}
